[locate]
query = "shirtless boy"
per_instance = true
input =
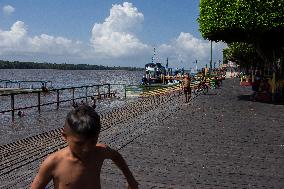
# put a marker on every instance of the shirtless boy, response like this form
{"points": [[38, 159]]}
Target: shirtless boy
{"points": [[186, 87], [79, 164]]}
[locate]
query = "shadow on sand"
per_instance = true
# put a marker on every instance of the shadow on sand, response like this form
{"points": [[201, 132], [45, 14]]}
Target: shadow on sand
{"points": [[278, 101]]}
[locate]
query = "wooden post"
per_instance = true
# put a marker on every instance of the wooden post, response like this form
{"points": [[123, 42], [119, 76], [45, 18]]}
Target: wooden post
{"points": [[86, 95], [57, 95], [124, 91], [73, 95], [99, 95], [13, 105], [108, 90], [38, 101]]}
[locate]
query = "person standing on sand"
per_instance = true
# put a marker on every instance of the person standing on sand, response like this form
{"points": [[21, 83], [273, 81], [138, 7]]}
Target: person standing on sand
{"points": [[186, 87], [79, 164]]}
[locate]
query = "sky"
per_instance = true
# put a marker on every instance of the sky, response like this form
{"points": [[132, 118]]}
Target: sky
{"points": [[104, 32]]}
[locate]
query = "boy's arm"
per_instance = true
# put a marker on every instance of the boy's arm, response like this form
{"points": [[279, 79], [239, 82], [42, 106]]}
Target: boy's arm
{"points": [[44, 174], [116, 157]]}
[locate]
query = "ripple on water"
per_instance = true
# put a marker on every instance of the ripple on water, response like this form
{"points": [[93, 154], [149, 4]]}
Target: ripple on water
{"points": [[49, 118]]}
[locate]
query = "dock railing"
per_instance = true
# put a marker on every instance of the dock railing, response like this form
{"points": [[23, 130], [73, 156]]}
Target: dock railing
{"points": [[25, 84], [29, 99]]}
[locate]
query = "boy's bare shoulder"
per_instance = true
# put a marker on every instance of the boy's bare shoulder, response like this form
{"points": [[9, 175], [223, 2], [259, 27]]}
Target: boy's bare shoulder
{"points": [[49, 165], [105, 150], [56, 157], [103, 147]]}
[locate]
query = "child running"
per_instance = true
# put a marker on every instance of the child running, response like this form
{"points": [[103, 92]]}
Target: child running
{"points": [[79, 164], [186, 87]]}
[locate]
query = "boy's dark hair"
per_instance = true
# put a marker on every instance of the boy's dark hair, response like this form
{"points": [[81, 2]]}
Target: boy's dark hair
{"points": [[84, 120]]}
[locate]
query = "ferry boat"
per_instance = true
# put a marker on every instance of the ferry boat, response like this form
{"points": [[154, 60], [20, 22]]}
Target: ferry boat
{"points": [[156, 73]]}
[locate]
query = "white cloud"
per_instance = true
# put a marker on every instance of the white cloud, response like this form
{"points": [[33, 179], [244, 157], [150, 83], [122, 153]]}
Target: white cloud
{"points": [[124, 50], [12, 39], [185, 49], [17, 41], [113, 42], [54, 45], [8, 9], [115, 36]]}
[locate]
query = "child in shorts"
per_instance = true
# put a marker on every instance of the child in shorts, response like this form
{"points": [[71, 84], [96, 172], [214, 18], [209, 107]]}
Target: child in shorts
{"points": [[79, 164], [186, 87]]}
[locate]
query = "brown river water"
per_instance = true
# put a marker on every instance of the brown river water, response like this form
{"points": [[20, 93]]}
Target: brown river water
{"points": [[49, 117]]}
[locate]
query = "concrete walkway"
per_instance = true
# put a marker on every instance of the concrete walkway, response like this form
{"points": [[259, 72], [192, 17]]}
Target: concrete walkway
{"points": [[220, 140]]}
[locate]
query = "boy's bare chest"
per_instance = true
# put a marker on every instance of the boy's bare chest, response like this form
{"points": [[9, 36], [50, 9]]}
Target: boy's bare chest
{"points": [[186, 82], [76, 175]]}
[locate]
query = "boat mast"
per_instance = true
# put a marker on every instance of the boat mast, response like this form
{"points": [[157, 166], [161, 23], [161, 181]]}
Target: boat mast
{"points": [[154, 56]]}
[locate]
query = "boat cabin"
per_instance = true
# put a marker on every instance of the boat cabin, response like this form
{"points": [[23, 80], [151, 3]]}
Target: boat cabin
{"points": [[154, 72]]}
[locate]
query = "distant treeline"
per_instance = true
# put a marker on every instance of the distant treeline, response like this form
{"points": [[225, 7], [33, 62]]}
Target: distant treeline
{"points": [[64, 66]]}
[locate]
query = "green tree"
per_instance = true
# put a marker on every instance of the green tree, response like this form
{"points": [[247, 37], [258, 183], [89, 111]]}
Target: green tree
{"points": [[242, 20], [242, 53], [64, 66], [256, 22]]}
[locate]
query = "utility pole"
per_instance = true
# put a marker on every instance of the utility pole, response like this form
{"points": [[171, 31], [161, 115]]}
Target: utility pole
{"points": [[210, 68]]}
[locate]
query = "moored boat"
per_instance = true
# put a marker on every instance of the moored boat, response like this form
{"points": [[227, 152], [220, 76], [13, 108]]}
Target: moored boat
{"points": [[156, 73]]}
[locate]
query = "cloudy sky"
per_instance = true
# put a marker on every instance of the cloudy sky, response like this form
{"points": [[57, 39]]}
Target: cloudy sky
{"points": [[104, 32]]}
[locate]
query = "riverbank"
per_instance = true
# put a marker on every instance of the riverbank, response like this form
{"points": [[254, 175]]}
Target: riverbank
{"points": [[219, 140]]}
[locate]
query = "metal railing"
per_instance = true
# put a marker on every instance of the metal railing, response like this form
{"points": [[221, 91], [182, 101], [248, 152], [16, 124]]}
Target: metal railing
{"points": [[56, 97]]}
